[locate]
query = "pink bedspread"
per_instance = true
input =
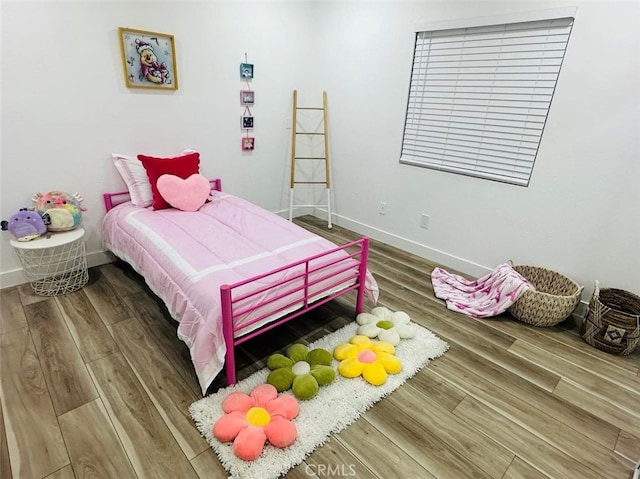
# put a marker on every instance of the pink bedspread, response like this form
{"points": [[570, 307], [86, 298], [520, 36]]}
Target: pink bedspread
{"points": [[483, 297], [186, 256]]}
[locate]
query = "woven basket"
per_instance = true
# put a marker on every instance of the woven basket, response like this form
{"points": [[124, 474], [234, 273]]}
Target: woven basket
{"points": [[554, 299], [612, 323]]}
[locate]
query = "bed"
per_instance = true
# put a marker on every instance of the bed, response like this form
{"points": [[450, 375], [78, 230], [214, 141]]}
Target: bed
{"points": [[231, 270]]}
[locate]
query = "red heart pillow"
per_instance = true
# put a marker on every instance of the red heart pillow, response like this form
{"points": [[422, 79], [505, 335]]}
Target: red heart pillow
{"points": [[184, 194], [182, 166]]}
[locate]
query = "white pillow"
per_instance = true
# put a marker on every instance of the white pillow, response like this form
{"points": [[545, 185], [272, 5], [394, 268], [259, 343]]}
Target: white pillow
{"points": [[135, 177]]}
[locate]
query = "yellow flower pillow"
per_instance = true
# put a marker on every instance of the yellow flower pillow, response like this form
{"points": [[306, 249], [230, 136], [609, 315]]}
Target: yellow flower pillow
{"points": [[373, 360]]}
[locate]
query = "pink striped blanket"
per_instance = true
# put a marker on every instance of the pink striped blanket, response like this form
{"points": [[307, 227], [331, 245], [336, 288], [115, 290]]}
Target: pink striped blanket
{"points": [[484, 297], [186, 256]]}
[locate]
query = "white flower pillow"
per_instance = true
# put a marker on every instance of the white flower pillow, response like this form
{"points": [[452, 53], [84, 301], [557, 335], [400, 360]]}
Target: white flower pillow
{"points": [[135, 177], [386, 325]]}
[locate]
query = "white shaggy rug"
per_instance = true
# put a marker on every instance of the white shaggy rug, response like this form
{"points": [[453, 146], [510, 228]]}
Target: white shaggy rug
{"points": [[333, 409]]}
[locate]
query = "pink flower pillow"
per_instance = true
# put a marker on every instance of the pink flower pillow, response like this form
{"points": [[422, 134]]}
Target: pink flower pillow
{"points": [[184, 194], [251, 420]]}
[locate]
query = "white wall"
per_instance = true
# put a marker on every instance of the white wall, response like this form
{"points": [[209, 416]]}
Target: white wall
{"points": [[65, 107], [64, 117], [580, 214]]}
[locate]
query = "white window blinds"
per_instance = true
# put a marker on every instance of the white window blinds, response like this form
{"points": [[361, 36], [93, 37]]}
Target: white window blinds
{"points": [[479, 97]]}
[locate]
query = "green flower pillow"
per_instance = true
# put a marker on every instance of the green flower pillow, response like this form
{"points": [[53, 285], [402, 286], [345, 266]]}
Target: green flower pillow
{"points": [[301, 370]]}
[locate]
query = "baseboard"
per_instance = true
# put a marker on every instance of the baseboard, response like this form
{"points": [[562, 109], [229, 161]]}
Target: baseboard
{"points": [[299, 211], [12, 278], [17, 277], [441, 257], [580, 312], [99, 257]]}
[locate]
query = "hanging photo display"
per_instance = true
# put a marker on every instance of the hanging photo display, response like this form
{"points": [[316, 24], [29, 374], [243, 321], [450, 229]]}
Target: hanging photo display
{"points": [[247, 99], [246, 71], [248, 143], [247, 122]]}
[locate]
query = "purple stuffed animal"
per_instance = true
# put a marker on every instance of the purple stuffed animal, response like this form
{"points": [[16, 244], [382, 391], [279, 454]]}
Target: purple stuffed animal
{"points": [[26, 225]]}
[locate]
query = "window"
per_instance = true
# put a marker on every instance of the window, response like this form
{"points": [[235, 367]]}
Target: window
{"points": [[479, 96]]}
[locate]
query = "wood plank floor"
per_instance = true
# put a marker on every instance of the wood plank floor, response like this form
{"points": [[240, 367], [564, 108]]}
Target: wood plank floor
{"points": [[96, 384]]}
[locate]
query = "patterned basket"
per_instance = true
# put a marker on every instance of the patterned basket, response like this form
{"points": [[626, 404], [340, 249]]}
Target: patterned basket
{"points": [[554, 299], [612, 323]]}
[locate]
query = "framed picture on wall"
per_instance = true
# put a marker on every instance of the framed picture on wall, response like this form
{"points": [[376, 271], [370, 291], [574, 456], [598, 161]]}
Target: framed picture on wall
{"points": [[247, 97], [247, 122], [246, 71], [149, 59], [248, 143]]}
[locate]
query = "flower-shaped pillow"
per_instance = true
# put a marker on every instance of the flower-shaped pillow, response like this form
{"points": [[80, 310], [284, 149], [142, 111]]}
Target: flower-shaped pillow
{"points": [[385, 325], [373, 360], [252, 419], [301, 370]]}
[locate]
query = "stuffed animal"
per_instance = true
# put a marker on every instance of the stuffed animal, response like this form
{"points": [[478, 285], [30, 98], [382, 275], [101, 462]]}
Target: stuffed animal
{"points": [[26, 225], [64, 210]]}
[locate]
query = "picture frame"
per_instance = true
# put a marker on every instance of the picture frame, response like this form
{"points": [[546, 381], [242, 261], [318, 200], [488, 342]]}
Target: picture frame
{"points": [[248, 143], [247, 122], [246, 71], [148, 59], [247, 97]]}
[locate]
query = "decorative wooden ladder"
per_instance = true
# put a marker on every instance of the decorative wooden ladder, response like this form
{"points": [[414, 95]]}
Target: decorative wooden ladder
{"points": [[295, 133]]}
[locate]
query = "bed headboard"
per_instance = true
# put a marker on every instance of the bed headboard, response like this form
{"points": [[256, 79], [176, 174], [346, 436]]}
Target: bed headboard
{"points": [[114, 199]]}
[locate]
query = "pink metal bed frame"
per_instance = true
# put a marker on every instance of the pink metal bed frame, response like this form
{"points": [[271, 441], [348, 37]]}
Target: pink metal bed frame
{"points": [[229, 300]]}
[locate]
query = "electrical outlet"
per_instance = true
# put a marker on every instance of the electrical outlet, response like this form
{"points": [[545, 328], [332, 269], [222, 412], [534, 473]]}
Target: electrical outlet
{"points": [[287, 123], [424, 221], [383, 208]]}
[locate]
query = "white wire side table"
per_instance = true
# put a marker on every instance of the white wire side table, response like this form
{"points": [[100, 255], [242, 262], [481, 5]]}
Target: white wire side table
{"points": [[55, 263]]}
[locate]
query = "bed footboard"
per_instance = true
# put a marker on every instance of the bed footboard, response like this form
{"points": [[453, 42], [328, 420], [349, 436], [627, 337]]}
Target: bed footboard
{"points": [[322, 278]]}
